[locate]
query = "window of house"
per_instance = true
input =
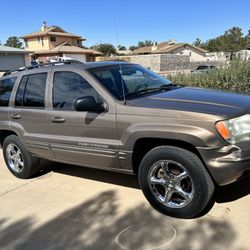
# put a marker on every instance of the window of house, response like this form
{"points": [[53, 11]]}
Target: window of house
{"points": [[6, 87], [68, 87], [40, 40], [53, 39], [31, 91]]}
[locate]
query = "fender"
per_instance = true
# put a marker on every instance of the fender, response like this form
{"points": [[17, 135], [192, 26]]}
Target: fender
{"points": [[197, 136]]}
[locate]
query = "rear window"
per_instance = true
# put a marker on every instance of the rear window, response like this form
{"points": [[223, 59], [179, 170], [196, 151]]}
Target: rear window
{"points": [[31, 91], [6, 87]]}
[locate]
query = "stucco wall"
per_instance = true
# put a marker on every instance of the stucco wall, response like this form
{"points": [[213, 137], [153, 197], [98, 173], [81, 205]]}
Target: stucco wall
{"points": [[195, 55], [161, 62], [34, 45], [61, 39]]}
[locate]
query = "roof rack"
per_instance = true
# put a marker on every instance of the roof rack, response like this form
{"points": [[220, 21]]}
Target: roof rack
{"points": [[37, 66]]}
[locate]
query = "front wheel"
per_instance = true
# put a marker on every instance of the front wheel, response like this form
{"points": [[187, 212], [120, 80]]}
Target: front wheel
{"points": [[175, 182]]}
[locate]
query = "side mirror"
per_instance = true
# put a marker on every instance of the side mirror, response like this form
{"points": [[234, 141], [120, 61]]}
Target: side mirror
{"points": [[88, 104]]}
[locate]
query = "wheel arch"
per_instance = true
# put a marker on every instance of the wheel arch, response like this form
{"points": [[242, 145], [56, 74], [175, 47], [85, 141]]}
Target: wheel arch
{"points": [[4, 134], [143, 145]]}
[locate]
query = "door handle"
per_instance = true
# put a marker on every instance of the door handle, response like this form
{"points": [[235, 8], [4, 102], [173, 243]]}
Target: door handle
{"points": [[58, 119], [15, 116]]}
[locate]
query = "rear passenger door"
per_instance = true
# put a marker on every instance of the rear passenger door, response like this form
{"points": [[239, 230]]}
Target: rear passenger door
{"points": [[28, 114], [6, 86], [83, 138]]}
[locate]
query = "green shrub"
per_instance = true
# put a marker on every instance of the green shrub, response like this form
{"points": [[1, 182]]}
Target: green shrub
{"points": [[234, 78]]}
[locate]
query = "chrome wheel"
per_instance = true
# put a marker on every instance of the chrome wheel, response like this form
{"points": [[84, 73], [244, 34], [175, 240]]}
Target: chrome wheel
{"points": [[15, 158], [171, 183]]}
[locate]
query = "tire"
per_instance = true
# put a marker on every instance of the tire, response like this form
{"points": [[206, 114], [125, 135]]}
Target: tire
{"points": [[18, 159], [175, 182]]}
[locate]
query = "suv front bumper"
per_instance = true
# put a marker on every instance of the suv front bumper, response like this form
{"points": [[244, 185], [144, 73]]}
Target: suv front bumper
{"points": [[226, 164]]}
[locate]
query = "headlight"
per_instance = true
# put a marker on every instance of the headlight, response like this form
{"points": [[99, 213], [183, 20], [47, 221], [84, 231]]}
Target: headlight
{"points": [[234, 130]]}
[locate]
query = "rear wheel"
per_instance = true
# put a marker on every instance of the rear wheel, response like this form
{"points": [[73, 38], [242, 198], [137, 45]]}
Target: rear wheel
{"points": [[175, 182], [18, 159]]}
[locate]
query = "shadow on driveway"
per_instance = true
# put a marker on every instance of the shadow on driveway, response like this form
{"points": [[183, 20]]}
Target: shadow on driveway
{"points": [[223, 194], [94, 224], [115, 178], [233, 191]]}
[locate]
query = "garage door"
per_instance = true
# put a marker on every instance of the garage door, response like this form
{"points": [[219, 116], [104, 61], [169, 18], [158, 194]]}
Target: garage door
{"points": [[11, 61]]}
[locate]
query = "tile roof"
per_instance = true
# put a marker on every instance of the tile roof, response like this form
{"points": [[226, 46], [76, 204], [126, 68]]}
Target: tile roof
{"points": [[67, 48], [54, 31], [5, 49], [142, 50], [164, 47]]}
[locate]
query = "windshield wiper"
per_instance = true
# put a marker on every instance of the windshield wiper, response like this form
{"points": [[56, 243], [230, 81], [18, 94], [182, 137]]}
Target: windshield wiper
{"points": [[164, 87]]}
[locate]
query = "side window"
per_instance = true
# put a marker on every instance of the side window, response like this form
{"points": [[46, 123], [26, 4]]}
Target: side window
{"points": [[6, 87], [68, 87], [20, 92], [31, 91]]}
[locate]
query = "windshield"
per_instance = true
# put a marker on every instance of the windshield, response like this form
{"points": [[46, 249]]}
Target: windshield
{"points": [[124, 79]]}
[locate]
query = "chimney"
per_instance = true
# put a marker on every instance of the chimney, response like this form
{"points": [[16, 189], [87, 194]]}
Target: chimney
{"points": [[172, 42], [154, 47], [44, 26]]}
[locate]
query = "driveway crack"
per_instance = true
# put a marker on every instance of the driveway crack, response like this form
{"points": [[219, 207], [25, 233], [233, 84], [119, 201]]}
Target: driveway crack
{"points": [[27, 183]]}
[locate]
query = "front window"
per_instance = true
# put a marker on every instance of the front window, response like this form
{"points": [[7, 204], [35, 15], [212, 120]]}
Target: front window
{"points": [[124, 80], [68, 87]]}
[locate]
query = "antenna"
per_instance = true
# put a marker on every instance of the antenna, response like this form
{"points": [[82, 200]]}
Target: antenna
{"points": [[120, 65]]}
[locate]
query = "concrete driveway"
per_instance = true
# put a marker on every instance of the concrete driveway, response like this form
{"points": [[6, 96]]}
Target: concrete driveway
{"points": [[70, 207]]}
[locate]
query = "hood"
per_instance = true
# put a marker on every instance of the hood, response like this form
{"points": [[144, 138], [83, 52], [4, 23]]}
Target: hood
{"points": [[197, 100]]}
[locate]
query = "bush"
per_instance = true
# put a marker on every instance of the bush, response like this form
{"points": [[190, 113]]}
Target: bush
{"points": [[235, 78]]}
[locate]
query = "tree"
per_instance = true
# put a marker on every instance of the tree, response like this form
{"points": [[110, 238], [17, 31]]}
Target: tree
{"points": [[15, 42], [106, 48], [121, 47], [132, 48], [248, 39], [197, 42], [231, 41], [145, 43]]}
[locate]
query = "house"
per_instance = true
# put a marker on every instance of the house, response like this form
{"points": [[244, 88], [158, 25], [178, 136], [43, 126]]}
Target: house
{"points": [[13, 58], [53, 42], [196, 54], [243, 54], [123, 52]]}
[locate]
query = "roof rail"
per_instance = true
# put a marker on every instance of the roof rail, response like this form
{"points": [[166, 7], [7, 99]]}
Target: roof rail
{"points": [[42, 65]]}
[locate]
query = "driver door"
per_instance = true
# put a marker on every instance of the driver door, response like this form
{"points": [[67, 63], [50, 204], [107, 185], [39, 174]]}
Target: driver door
{"points": [[83, 138]]}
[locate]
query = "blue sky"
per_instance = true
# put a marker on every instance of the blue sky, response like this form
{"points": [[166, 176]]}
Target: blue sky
{"points": [[134, 20]]}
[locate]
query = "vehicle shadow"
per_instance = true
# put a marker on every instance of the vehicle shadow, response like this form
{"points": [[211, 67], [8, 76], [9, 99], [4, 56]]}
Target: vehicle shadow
{"points": [[115, 178], [233, 191], [223, 194], [98, 223]]}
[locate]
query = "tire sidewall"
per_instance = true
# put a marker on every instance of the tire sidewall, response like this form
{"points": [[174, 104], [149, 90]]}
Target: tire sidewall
{"points": [[202, 182]]}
